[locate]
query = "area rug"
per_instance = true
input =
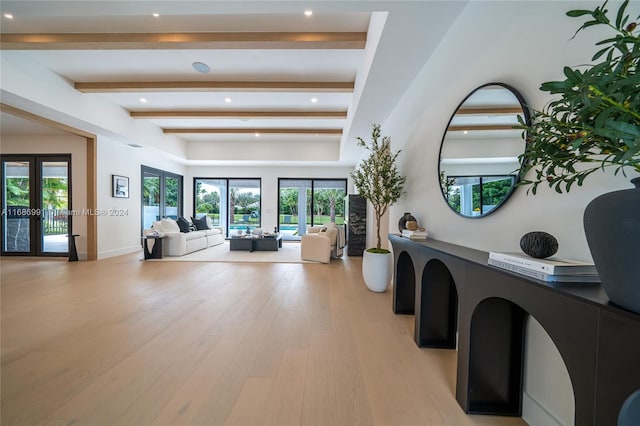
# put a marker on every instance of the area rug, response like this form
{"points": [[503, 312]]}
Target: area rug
{"points": [[289, 253]]}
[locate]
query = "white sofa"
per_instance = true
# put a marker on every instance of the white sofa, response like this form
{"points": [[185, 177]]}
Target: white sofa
{"points": [[176, 243], [322, 243]]}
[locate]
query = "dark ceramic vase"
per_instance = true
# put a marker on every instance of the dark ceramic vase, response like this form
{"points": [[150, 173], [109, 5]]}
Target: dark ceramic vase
{"points": [[612, 227], [402, 224]]}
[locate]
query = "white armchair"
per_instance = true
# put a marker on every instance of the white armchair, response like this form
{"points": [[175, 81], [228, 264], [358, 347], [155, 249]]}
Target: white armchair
{"points": [[321, 243]]}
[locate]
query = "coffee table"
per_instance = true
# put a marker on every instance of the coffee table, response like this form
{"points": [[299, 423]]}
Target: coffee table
{"points": [[271, 243]]}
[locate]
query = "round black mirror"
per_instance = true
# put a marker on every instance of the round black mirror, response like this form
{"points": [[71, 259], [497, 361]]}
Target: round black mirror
{"points": [[478, 165]]}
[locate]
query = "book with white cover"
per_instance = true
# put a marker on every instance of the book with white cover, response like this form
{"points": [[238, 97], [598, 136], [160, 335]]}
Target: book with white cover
{"points": [[414, 234], [583, 278], [551, 265]]}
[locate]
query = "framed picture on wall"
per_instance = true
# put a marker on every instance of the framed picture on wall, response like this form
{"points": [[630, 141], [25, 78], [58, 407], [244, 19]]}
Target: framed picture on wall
{"points": [[120, 186]]}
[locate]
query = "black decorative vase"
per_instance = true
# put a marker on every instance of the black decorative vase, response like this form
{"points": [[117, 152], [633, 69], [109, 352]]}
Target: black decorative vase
{"points": [[612, 227], [402, 224]]}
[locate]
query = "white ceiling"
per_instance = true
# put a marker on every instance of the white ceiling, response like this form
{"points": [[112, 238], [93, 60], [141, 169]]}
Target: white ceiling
{"points": [[401, 35]]}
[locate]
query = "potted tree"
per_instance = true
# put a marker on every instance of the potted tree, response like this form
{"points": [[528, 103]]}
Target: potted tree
{"points": [[592, 125], [377, 180]]}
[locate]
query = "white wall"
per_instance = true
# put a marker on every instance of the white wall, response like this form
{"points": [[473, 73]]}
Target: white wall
{"points": [[118, 218], [518, 43], [119, 226], [523, 44]]}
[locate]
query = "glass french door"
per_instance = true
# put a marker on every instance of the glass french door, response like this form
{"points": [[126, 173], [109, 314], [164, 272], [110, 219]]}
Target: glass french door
{"points": [[36, 205], [150, 198], [161, 195]]}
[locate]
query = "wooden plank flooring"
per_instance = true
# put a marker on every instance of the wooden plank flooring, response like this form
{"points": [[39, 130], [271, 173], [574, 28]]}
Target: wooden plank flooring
{"points": [[126, 342]]}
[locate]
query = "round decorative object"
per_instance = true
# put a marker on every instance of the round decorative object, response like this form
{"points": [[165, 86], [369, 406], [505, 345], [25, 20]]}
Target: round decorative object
{"points": [[461, 182], [412, 225], [612, 227], [402, 224], [539, 244], [257, 231]]}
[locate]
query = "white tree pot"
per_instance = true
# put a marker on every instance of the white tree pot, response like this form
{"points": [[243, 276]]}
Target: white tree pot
{"points": [[376, 270]]}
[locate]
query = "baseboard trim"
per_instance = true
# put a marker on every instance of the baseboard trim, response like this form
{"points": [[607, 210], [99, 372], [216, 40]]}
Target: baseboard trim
{"points": [[118, 252]]}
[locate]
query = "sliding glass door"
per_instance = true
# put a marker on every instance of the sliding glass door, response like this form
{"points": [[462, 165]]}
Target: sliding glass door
{"points": [[36, 205], [244, 204], [234, 204], [210, 195], [303, 202]]}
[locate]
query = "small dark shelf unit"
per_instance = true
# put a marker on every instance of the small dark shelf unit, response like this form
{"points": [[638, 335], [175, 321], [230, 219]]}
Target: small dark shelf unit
{"points": [[450, 288], [357, 225]]}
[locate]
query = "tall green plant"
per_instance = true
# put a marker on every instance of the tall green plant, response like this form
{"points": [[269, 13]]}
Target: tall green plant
{"points": [[595, 123], [377, 178]]}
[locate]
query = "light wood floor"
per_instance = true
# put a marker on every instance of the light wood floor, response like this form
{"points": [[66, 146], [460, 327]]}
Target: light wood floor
{"points": [[126, 342]]}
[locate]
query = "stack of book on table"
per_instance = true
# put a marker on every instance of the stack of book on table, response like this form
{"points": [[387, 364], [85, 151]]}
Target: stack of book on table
{"points": [[415, 235], [550, 270]]}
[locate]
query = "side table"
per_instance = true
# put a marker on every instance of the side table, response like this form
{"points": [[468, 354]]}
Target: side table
{"points": [[73, 252], [156, 251]]}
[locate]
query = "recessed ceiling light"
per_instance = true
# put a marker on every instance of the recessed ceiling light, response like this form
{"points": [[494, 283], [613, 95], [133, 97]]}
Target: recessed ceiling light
{"points": [[8, 16], [155, 15], [227, 100], [465, 132], [201, 67], [257, 135], [308, 12], [143, 100], [314, 100]]}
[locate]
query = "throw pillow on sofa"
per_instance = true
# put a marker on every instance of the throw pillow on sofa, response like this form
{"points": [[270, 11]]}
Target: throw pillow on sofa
{"points": [[169, 225], [201, 224], [184, 224]]}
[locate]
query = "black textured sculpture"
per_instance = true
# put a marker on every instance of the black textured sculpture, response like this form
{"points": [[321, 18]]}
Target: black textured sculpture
{"points": [[539, 244]]}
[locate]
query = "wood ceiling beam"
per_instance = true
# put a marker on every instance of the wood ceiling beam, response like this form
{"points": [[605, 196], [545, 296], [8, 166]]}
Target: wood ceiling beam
{"points": [[215, 86], [237, 114], [247, 131], [196, 40]]}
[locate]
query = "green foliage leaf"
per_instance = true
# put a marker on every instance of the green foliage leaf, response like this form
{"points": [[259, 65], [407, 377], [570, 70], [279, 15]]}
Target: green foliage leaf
{"points": [[578, 13], [596, 115], [620, 15]]}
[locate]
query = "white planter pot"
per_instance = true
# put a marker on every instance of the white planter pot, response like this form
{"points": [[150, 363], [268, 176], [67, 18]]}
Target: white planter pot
{"points": [[376, 270]]}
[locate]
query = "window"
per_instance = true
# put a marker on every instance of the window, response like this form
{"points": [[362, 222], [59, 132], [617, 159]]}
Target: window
{"points": [[233, 203], [303, 202], [161, 195], [477, 195]]}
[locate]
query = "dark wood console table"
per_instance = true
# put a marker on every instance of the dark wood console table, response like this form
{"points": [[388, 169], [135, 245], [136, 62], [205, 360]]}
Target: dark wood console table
{"points": [[451, 288]]}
